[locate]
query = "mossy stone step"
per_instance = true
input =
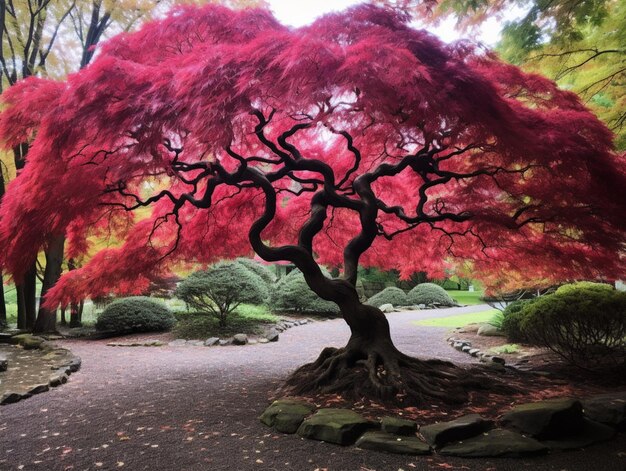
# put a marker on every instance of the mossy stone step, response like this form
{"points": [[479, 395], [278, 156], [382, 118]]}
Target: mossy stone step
{"points": [[464, 427], [545, 420], [398, 426], [592, 432], [286, 415], [340, 426], [495, 443], [390, 443], [608, 408]]}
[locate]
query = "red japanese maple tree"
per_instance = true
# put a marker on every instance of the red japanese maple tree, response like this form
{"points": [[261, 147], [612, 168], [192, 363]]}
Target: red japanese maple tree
{"points": [[355, 140]]}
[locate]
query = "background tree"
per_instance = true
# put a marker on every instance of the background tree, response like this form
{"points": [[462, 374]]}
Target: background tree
{"points": [[578, 44], [26, 39], [354, 140], [52, 38], [220, 289]]}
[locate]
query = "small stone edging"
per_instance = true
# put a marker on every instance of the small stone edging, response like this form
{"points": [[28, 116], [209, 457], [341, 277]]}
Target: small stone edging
{"points": [[68, 364], [465, 346], [525, 430], [271, 335], [387, 308]]}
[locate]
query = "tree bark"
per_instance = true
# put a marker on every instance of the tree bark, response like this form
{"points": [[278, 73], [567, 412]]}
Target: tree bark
{"points": [[47, 318], [27, 289], [3, 306], [21, 307], [74, 315], [63, 319], [30, 296], [371, 366], [26, 299]]}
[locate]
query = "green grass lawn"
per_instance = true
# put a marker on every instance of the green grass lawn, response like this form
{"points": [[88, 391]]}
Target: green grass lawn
{"points": [[469, 298], [458, 321]]}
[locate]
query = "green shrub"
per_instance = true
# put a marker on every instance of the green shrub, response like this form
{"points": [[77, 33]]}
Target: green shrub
{"points": [[512, 318], [585, 285], [372, 274], [220, 289], [247, 319], [497, 320], [292, 294], [262, 271], [360, 290], [430, 293], [509, 348], [136, 314], [585, 326], [392, 295]]}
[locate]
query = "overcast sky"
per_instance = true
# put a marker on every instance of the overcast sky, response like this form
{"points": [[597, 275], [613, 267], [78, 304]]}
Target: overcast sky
{"points": [[301, 12]]}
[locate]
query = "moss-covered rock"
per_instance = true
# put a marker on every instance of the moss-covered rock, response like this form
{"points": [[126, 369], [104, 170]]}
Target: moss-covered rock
{"points": [[459, 429], [286, 415], [398, 426], [590, 433], [28, 341], [340, 426], [608, 409], [545, 420], [383, 441], [496, 443]]}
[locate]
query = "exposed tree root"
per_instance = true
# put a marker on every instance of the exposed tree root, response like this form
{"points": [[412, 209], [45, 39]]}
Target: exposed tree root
{"points": [[390, 376]]}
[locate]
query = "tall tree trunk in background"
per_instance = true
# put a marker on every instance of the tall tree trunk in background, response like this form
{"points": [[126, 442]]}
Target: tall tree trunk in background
{"points": [[76, 307], [27, 288], [81, 308], [3, 306], [47, 318], [21, 307], [75, 315], [63, 319], [30, 296]]}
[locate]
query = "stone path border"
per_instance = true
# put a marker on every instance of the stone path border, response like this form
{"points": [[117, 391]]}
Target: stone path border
{"points": [[525, 430], [63, 363], [271, 335], [465, 346]]}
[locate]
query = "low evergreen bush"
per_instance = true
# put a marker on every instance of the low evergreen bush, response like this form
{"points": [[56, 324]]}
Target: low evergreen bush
{"points": [[392, 295], [430, 293], [135, 314], [262, 271], [220, 289], [512, 319], [584, 285], [586, 326], [292, 294]]}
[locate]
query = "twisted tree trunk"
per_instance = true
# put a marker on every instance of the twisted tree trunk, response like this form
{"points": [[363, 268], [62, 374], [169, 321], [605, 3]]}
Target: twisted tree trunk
{"points": [[371, 366]]}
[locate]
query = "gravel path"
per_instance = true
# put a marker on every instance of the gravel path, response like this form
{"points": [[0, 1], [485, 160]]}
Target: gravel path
{"points": [[195, 408]]}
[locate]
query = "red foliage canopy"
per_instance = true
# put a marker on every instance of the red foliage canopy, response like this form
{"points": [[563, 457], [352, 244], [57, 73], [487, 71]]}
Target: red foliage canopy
{"points": [[380, 145]]}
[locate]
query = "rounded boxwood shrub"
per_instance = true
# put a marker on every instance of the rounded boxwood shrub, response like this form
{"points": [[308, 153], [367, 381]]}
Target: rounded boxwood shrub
{"points": [[586, 326], [220, 289], [430, 293], [392, 295], [586, 285], [135, 314], [262, 271], [292, 294], [512, 318]]}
